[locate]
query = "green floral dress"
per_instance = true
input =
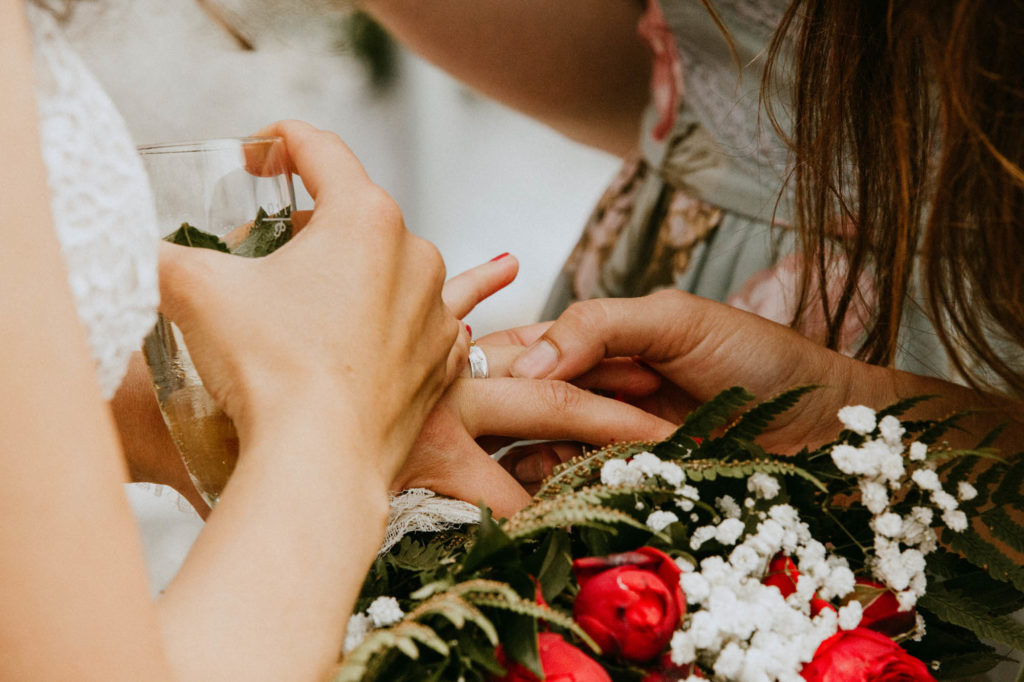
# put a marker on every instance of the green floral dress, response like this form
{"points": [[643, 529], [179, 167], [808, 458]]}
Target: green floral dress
{"points": [[700, 206]]}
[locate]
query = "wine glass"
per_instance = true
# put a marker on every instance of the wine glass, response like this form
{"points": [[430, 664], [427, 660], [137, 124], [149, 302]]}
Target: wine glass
{"points": [[234, 195]]}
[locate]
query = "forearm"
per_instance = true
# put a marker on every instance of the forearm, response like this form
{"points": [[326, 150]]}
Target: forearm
{"points": [[576, 65], [268, 587], [879, 387]]}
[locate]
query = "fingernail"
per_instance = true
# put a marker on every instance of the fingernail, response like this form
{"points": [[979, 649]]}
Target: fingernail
{"points": [[538, 361], [469, 330], [498, 257]]}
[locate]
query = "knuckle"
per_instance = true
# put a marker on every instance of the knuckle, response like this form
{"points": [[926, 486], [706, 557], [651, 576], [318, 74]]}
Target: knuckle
{"points": [[379, 204], [560, 396]]}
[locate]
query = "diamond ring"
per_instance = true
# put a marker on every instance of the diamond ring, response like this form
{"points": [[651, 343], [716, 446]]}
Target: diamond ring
{"points": [[477, 362]]}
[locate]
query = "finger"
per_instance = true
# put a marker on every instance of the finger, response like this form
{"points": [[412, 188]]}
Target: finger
{"points": [[517, 336], [470, 474], [531, 464], [265, 155], [465, 291], [320, 158], [299, 220], [551, 410], [458, 356], [616, 375], [590, 331], [622, 376]]}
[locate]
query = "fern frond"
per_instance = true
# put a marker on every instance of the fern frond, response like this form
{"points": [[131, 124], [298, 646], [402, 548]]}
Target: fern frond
{"points": [[959, 609], [1004, 528], [404, 636], [899, 408], [709, 469], [525, 607], [458, 611], [705, 419], [754, 421], [561, 513], [580, 471], [982, 553]]}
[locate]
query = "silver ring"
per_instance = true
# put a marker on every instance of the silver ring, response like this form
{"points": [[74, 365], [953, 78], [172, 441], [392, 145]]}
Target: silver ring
{"points": [[477, 362]]}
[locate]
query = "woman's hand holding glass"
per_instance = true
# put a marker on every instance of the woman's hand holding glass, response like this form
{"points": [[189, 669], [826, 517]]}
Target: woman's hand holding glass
{"points": [[346, 319]]}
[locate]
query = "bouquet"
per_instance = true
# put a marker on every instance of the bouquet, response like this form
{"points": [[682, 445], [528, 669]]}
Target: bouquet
{"points": [[704, 557]]}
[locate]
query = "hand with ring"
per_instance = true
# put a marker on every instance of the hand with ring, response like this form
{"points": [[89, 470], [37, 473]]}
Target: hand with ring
{"points": [[487, 406]]}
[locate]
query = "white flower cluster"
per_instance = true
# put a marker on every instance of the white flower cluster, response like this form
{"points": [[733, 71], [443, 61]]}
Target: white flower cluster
{"points": [[901, 542], [381, 613], [641, 468], [744, 630]]}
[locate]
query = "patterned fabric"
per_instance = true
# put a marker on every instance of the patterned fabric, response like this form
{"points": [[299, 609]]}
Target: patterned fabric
{"points": [[701, 206], [100, 200]]}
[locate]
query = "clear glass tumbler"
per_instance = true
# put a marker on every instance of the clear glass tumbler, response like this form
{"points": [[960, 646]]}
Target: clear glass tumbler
{"points": [[235, 195]]}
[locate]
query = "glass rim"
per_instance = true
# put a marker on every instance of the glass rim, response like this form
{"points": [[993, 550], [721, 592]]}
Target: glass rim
{"points": [[211, 144]]}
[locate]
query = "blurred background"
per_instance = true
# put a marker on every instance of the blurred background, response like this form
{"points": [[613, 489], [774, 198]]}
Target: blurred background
{"points": [[475, 178]]}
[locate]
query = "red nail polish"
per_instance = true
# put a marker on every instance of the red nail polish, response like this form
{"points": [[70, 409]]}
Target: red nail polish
{"points": [[469, 330], [499, 257]]}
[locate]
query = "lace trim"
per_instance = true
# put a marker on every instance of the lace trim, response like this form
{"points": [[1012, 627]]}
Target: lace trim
{"points": [[420, 510], [100, 200]]}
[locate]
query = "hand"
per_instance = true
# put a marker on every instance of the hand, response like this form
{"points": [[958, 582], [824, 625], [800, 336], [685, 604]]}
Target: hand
{"points": [[701, 347], [347, 318], [447, 458]]}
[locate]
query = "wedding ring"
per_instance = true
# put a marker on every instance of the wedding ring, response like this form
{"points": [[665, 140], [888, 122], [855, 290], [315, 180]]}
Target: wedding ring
{"points": [[477, 362]]}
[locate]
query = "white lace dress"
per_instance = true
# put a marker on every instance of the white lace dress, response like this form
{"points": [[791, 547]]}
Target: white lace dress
{"points": [[101, 203]]}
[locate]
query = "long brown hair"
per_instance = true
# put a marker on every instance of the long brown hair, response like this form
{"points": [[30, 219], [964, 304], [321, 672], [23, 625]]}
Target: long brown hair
{"points": [[908, 126]]}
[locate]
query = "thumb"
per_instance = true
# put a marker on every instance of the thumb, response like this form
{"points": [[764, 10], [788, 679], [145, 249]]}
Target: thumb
{"points": [[590, 331], [186, 276]]}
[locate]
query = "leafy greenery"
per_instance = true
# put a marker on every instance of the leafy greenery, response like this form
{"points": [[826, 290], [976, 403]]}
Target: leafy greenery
{"points": [[267, 234], [505, 579]]}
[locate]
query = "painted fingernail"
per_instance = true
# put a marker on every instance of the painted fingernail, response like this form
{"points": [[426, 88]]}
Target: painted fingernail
{"points": [[498, 257], [538, 361], [469, 330]]}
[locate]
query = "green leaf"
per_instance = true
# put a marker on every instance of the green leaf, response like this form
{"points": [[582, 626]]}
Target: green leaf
{"points": [[556, 569], [705, 419], [519, 637], [897, 409], [1004, 528], [488, 541], [186, 235], [754, 421], [267, 234], [991, 437], [958, 608], [982, 553]]}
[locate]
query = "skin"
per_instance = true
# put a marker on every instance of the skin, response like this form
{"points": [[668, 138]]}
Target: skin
{"points": [[267, 589], [700, 347], [575, 65]]}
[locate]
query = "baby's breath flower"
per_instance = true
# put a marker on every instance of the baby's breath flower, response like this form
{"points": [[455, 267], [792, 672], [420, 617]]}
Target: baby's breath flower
{"points": [[659, 520], [359, 625], [966, 491], [955, 520], [385, 611], [763, 485], [729, 531], [728, 507], [858, 418], [891, 429], [850, 615], [926, 479], [918, 451]]}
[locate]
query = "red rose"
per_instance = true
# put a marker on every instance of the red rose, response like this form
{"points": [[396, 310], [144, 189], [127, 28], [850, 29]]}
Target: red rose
{"points": [[882, 609], [560, 661], [863, 655], [629, 603], [783, 575]]}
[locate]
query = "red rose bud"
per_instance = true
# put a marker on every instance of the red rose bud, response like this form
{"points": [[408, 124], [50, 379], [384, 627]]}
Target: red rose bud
{"points": [[782, 574], [630, 603], [818, 605], [560, 661], [882, 609], [863, 655]]}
